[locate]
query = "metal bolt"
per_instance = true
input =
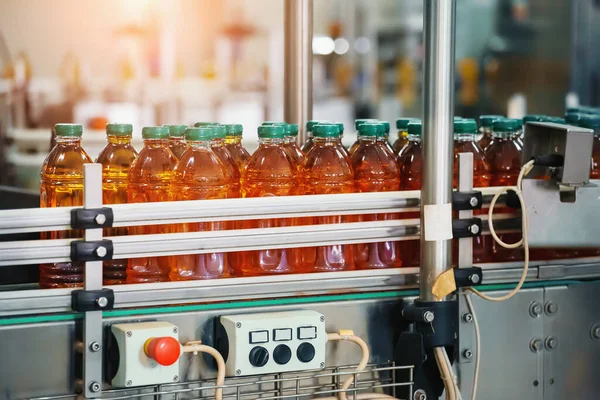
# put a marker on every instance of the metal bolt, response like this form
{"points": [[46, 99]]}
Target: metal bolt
{"points": [[468, 354], [238, 371], [238, 325], [129, 383], [595, 332], [95, 347], [473, 201], [128, 333], [175, 378], [535, 309], [474, 229], [100, 219], [175, 330], [551, 343], [322, 318], [322, 365], [95, 387], [101, 251], [420, 395], [474, 278], [428, 316], [467, 317], [102, 302], [551, 308], [536, 345]]}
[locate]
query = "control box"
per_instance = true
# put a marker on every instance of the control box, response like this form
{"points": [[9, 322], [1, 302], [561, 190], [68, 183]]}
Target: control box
{"points": [[266, 343], [148, 353]]}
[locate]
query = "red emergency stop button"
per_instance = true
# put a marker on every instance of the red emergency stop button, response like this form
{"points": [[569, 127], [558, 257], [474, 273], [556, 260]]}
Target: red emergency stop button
{"points": [[164, 350]]}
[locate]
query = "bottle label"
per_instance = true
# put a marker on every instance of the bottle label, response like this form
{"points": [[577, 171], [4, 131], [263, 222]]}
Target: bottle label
{"points": [[437, 222]]}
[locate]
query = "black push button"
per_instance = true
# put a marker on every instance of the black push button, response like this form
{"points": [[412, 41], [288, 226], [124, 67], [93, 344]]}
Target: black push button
{"points": [[282, 354], [259, 356], [305, 352]]}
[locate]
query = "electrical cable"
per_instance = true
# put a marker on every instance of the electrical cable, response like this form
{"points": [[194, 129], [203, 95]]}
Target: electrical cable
{"points": [[445, 373], [477, 344], [195, 348]]}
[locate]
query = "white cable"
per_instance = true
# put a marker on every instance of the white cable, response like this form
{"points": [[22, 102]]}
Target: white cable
{"points": [[477, 344], [195, 348], [523, 242], [445, 374]]}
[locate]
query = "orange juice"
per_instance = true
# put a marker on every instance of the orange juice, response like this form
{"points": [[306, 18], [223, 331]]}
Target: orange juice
{"points": [[62, 186], [233, 144], [116, 159], [485, 129], [233, 171], [309, 135], [176, 139], [291, 144], [402, 141]]}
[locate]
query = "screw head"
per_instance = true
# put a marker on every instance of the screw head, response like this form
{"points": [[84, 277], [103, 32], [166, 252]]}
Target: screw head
{"points": [[95, 387], [467, 317], [128, 383], [536, 345], [322, 365], [238, 371], [474, 229], [419, 395], [551, 343], [95, 347], [551, 308], [473, 201], [322, 318], [595, 332], [468, 354], [428, 316], [128, 333], [175, 329], [101, 251], [238, 325], [175, 378], [535, 309], [102, 302], [474, 278], [100, 219]]}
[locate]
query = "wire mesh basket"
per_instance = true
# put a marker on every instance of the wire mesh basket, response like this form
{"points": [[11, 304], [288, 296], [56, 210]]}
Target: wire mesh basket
{"points": [[302, 385]]}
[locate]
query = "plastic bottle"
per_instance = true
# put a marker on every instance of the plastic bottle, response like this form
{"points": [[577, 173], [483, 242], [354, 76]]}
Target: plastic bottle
{"points": [[485, 128], [148, 181], [116, 159], [375, 170], [233, 144], [410, 161], [176, 140], [199, 175], [504, 158], [309, 134], [233, 172], [386, 126], [357, 123], [291, 144], [270, 172], [465, 135], [402, 141], [62, 186], [328, 170]]}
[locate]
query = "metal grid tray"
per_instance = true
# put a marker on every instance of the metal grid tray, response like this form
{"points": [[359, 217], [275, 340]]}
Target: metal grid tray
{"points": [[380, 378]]}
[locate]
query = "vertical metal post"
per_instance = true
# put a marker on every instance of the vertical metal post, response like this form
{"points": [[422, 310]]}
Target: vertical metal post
{"points": [[92, 323], [436, 189], [298, 31]]}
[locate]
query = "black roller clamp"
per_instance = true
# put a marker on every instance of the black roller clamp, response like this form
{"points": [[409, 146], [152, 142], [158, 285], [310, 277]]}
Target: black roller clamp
{"points": [[462, 201], [92, 300], [464, 228], [91, 218], [98, 250], [465, 277]]}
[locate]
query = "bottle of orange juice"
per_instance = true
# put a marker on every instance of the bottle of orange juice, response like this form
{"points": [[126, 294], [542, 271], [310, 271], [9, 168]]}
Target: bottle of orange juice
{"points": [[485, 128], [116, 159], [270, 172], [327, 170], [233, 144], [375, 170], [387, 128], [62, 186], [233, 171], [402, 141], [358, 123], [148, 181], [199, 175], [309, 135], [176, 139], [291, 144]]}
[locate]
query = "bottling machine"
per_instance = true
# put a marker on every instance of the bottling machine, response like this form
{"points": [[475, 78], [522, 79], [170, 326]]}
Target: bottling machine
{"points": [[408, 333]]}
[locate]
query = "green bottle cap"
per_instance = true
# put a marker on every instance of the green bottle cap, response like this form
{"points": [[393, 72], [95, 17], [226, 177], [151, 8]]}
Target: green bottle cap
{"points": [[573, 118], [68, 130], [507, 125], [234, 129], [341, 126], [271, 131], [458, 119], [273, 123], [589, 121], [414, 128], [176, 130], [291, 129], [465, 126], [556, 120], [358, 122], [199, 124], [402, 123], [311, 124], [486, 121], [119, 129], [155, 132], [534, 118], [219, 131], [371, 129], [327, 130], [386, 126], [201, 134]]}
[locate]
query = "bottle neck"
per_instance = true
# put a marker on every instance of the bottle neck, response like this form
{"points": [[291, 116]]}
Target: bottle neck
{"points": [[414, 138], [68, 140], [464, 137], [271, 141], [506, 134], [290, 139], [115, 139], [176, 139], [328, 141], [402, 133], [199, 144], [486, 131], [153, 143], [233, 139], [368, 139], [217, 142]]}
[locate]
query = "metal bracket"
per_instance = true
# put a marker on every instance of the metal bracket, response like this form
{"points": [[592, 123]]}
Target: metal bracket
{"points": [[465, 277], [92, 300], [466, 228], [468, 200], [91, 218], [96, 250]]}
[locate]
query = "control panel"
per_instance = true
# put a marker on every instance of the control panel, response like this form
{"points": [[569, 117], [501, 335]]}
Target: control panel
{"points": [[148, 353], [267, 343]]}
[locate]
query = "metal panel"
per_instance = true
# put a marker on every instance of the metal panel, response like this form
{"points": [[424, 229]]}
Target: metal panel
{"points": [[508, 368]]}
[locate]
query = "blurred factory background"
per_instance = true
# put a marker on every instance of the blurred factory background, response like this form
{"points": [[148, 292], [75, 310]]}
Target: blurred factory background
{"points": [[152, 62]]}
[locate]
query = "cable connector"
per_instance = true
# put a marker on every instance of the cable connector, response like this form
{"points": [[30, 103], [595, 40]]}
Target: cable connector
{"points": [[550, 160]]}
